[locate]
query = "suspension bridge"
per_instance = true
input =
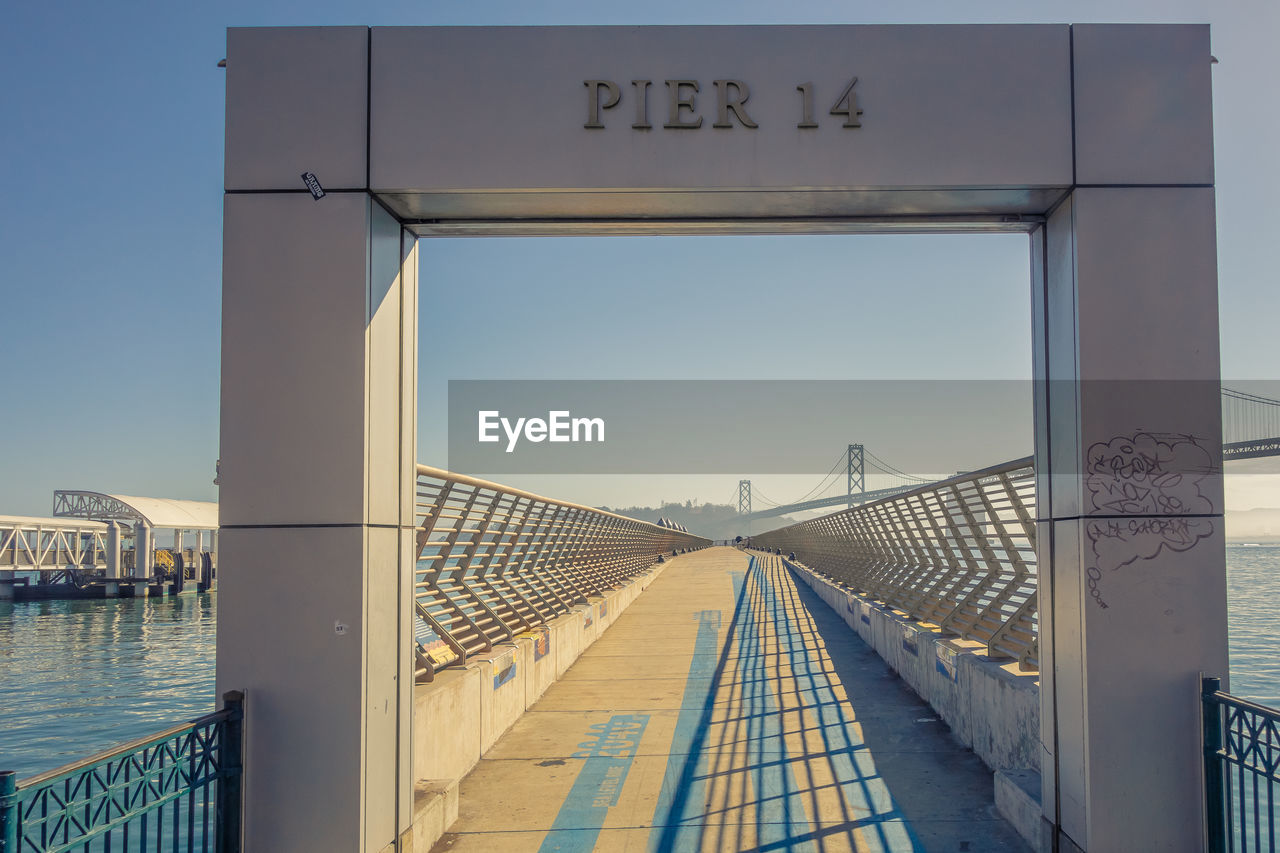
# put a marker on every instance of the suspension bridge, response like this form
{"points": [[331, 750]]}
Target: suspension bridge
{"points": [[1250, 425], [1250, 430]]}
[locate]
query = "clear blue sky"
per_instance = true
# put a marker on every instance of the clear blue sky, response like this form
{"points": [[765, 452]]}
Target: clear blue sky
{"points": [[110, 241]]}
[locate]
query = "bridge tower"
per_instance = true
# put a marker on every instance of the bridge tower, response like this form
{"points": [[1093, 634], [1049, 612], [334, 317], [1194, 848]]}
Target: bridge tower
{"points": [[744, 497], [857, 472]]}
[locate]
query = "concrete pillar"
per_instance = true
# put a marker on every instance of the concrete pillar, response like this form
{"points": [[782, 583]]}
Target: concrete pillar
{"points": [[318, 456], [143, 557], [197, 559], [113, 550], [113, 558], [1128, 448]]}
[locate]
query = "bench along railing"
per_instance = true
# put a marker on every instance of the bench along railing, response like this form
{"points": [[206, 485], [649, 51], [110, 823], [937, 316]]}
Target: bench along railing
{"points": [[494, 561], [959, 554], [175, 790], [1241, 772]]}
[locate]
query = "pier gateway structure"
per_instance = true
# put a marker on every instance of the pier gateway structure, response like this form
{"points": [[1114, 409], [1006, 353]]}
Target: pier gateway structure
{"points": [[1094, 140]]}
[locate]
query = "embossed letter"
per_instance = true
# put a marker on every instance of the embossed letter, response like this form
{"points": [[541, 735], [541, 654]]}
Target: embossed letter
{"points": [[806, 105], [675, 103], [593, 100], [642, 104], [724, 103]]}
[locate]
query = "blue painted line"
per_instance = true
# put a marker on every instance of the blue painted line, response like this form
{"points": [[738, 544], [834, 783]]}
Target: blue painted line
{"points": [[683, 795], [609, 750], [850, 759], [779, 807]]}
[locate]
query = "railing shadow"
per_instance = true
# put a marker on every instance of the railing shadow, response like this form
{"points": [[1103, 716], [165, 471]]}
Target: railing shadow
{"points": [[808, 742]]}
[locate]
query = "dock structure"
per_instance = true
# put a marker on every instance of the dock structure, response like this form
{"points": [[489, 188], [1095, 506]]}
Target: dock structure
{"points": [[104, 545]]}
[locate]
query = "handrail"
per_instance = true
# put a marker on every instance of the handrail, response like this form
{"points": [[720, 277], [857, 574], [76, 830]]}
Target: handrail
{"points": [[57, 774], [179, 788], [958, 555], [494, 561], [512, 490], [1241, 771]]}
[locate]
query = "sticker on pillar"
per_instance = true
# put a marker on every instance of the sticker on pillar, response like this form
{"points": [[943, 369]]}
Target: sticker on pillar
{"points": [[586, 618], [945, 660], [910, 640], [866, 613], [504, 668], [541, 642], [433, 647], [851, 604], [312, 183], [604, 608]]}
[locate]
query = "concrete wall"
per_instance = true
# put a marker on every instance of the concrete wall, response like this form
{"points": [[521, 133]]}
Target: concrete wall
{"points": [[460, 715], [990, 706]]}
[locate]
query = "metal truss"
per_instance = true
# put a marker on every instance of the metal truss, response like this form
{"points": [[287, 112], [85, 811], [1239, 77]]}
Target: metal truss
{"points": [[1251, 449], [37, 545], [73, 504]]}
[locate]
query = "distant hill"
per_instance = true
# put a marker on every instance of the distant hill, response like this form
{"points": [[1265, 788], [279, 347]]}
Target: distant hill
{"points": [[714, 521], [1254, 525], [720, 521]]}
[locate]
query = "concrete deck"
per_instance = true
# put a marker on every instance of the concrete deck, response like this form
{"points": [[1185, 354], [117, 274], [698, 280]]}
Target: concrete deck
{"points": [[729, 709]]}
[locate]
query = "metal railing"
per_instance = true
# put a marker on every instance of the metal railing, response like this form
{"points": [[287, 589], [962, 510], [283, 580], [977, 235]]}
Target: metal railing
{"points": [[959, 554], [176, 790], [493, 561], [1241, 771]]}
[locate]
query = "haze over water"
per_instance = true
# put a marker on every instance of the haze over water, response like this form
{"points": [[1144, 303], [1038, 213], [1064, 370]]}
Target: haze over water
{"points": [[77, 677]]}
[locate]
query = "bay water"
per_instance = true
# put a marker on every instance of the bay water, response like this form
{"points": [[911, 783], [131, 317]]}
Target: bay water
{"points": [[77, 677]]}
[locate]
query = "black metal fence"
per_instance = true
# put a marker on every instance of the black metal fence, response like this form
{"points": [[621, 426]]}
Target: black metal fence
{"points": [[176, 790], [1241, 772]]}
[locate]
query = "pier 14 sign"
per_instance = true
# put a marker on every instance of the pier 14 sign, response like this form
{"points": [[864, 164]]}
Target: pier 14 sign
{"points": [[731, 97]]}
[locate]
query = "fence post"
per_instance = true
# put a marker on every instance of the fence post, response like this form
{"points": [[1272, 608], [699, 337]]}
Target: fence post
{"points": [[1214, 793], [230, 784], [8, 812]]}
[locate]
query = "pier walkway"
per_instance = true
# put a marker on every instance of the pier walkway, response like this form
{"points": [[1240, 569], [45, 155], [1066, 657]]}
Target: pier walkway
{"points": [[728, 709]]}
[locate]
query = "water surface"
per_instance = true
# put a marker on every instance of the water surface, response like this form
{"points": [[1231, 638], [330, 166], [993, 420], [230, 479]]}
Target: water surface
{"points": [[77, 677]]}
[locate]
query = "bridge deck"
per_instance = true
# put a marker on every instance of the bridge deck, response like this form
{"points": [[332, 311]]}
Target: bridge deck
{"points": [[728, 709]]}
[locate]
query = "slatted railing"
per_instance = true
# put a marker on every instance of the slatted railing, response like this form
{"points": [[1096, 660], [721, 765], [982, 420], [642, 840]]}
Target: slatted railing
{"points": [[959, 554], [494, 561]]}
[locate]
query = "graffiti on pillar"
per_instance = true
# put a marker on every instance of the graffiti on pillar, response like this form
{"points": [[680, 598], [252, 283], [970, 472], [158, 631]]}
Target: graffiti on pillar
{"points": [[1149, 474], [1157, 479]]}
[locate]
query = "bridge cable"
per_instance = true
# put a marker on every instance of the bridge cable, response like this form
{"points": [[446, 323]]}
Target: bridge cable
{"points": [[823, 485], [885, 467]]}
